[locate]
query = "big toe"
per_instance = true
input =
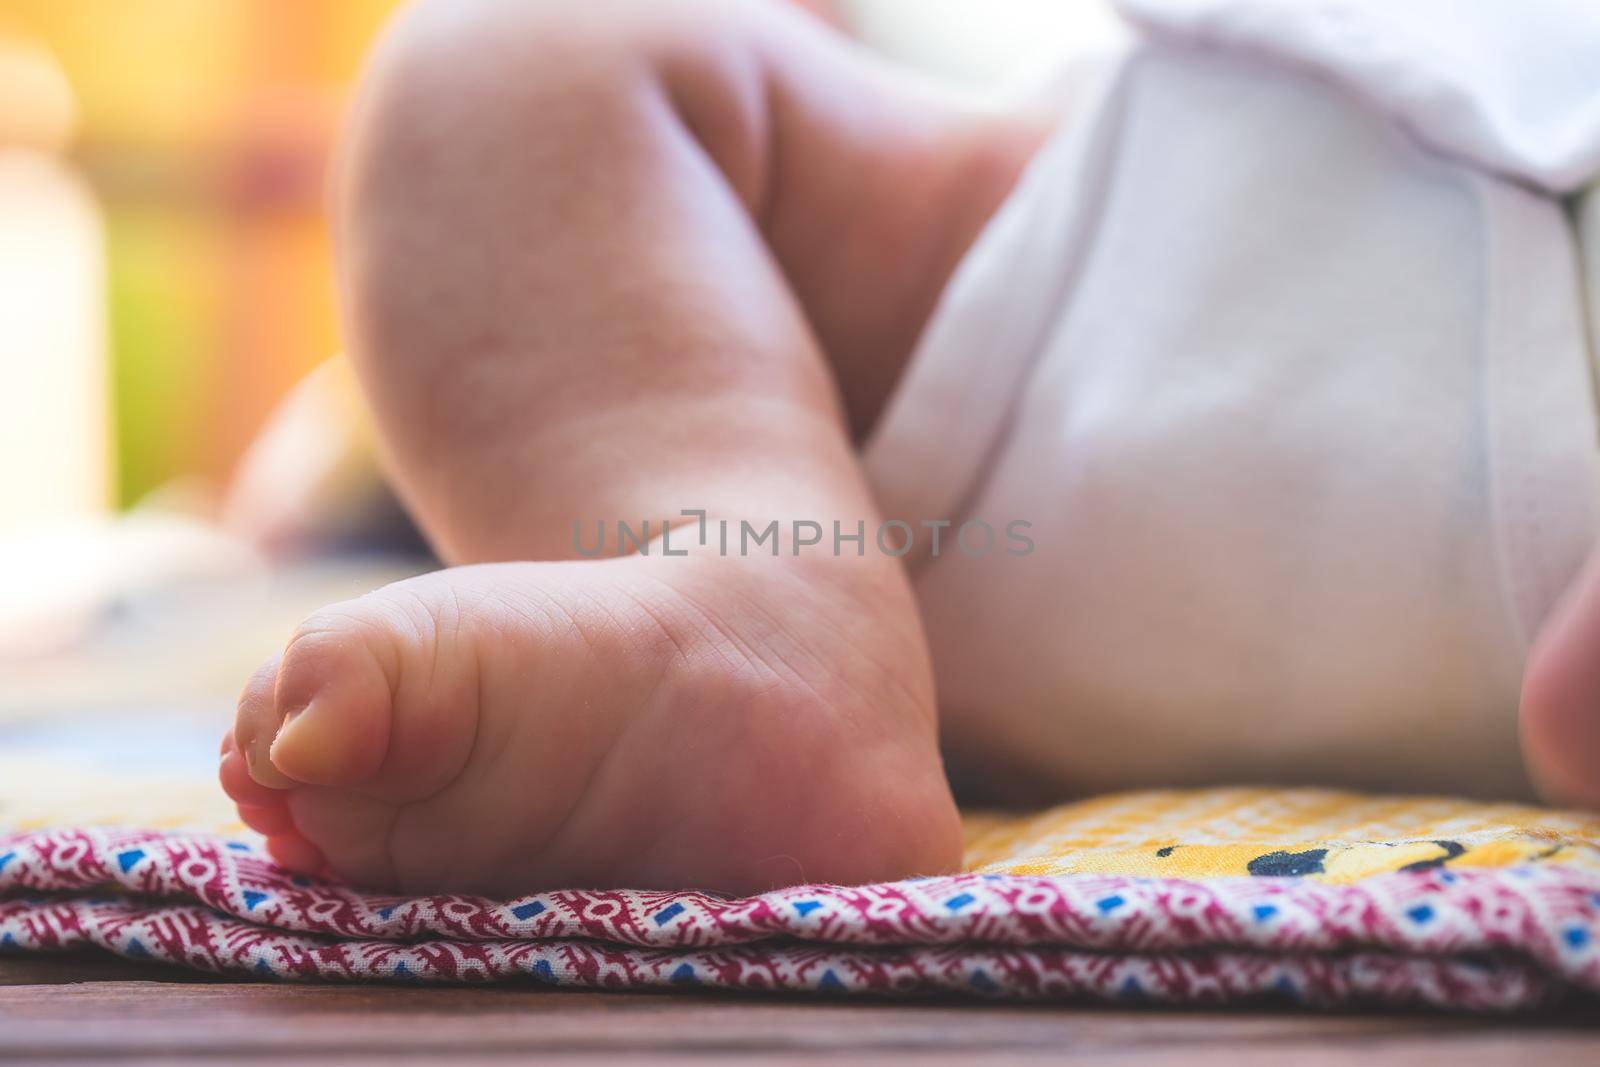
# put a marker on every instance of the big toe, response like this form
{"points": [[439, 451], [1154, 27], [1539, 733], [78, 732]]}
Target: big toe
{"points": [[320, 714]]}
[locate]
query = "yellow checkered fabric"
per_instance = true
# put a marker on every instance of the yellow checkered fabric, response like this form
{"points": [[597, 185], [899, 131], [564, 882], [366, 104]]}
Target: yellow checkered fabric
{"points": [[1331, 836], [1208, 833]]}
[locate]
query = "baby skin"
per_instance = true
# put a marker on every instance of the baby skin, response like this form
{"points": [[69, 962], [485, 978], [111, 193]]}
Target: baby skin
{"points": [[620, 260], [615, 261]]}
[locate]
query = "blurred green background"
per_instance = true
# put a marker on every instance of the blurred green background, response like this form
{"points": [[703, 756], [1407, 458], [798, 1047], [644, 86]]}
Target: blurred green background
{"points": [[202, 129], [165, 270]]}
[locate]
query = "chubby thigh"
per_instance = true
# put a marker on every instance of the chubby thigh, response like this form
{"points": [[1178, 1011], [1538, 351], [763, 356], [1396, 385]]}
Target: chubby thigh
{"points": [[1304, 435]]}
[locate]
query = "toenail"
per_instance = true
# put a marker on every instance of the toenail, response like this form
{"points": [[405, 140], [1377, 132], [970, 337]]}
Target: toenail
{"points": [[283, 731], [254, 763]]}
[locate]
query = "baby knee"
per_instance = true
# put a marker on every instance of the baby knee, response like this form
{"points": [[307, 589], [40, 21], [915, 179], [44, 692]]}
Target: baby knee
{"points": [[443, 48], [481, 78]]}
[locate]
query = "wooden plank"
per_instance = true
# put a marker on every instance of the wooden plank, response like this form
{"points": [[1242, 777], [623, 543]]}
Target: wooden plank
{"points": [[81, 1009], [66, 967]]}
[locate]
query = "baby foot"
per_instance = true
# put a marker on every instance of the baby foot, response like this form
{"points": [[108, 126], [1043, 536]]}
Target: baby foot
{"points": [[1560, 718], [726, 724]]}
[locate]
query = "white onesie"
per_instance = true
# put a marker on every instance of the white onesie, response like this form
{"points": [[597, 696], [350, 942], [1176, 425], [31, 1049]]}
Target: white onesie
{"points": [[1281, 347]]}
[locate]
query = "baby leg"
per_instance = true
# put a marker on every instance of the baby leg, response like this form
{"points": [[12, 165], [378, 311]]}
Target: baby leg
{"points": [[592, 256]]}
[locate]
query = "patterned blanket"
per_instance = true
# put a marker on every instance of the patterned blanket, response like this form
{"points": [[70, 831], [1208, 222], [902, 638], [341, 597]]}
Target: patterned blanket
{"points": [[1214, 897]]}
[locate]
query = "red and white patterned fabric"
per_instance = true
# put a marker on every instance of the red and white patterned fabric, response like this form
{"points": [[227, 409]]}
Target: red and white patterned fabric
{"points": [[1507, 938]]}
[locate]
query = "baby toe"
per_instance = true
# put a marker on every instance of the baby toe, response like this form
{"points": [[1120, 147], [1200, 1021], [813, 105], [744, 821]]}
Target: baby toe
{"points": [[269, 820], [256, 724], [297, 854], [241, 787], [336, 702]]}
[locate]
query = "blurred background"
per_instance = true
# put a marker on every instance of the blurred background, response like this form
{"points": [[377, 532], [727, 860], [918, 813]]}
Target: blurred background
{"points": [[168, 275], [166, 280]]}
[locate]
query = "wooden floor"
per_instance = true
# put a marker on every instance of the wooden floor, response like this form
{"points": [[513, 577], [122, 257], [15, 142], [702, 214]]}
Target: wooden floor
{"points": [[63, 1010]]}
